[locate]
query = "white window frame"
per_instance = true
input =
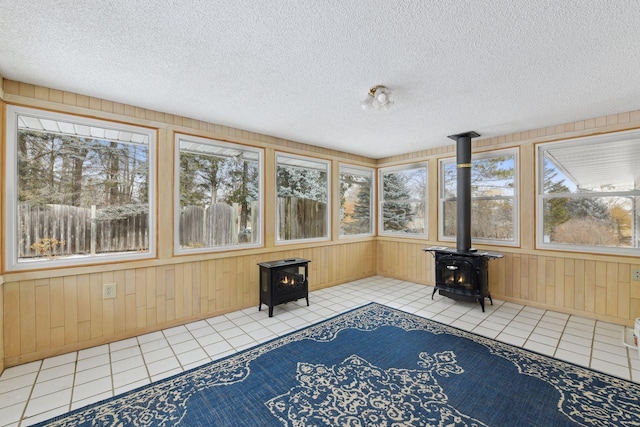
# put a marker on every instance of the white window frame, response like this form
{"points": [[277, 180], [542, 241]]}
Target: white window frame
{"points": [[540, 241], [231, 147], [11, 185], [367, 172], [516, 197], [302, 159], [425, 200]]}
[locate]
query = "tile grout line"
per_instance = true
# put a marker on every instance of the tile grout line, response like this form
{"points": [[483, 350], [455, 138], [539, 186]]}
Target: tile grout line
{"points": [[33, 386], [73, 382]]}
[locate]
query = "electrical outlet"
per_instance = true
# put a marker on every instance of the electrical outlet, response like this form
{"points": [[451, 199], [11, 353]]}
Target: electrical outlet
{"points": [[635, 274], [108, 290]]}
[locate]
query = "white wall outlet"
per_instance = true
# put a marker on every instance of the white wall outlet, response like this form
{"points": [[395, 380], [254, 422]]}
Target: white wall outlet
{"points": [[108, 290], [635, 274]]}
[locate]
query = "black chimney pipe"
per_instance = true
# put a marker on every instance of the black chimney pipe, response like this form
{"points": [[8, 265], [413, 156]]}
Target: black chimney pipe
{"points": [[463, 199]]}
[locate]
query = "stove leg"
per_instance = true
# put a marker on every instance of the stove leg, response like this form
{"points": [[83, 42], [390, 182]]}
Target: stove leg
{"points": [[434, 292], [490, 300], [270, 311], [307, 298], [481, 301]]}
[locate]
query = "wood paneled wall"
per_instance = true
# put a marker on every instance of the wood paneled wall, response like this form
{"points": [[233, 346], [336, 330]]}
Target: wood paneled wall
{"points": [[596, 286], [54, 311], [43, 313], [585, 284], [48, 316]]}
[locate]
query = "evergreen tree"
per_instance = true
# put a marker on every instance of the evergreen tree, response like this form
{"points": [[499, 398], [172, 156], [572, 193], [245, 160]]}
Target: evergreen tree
{"points": [[192, 192], [241, 189], [556, 210], [362, 207], [358, 219], [396, 212], [302, 182], [589, 207]]}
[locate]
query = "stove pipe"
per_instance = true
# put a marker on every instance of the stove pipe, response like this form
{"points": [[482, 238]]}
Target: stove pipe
{"points": [[463, 199]]}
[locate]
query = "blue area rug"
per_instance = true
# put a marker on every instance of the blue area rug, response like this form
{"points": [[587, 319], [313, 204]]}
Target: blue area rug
{"points": [[376, 366]]}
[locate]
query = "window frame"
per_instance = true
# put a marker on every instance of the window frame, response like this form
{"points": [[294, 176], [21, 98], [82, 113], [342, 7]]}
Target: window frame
{"points": [[12, 263], [224, 145], [516, 197], [294, 157], [372, 190], [541, 196], [394, 169]]}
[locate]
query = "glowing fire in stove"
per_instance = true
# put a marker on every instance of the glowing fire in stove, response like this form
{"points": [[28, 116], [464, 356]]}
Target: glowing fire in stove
{"points": [[286, 280], [459, 280]]}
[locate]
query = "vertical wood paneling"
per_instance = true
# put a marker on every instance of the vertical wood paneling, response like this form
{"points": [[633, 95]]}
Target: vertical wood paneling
{"points": [[27, 316], [161, 294], [170, 306], [559, 278], [84, 297], [550, 275], [58, 312], [120, 302], [43, 314], [612, 289], [84, 307], [49, 313], [211, 287], [96, 304], [569, 283], [141, 297], [70, 307], [579, 285], [523, 277], [187, 290], [541, 274], [130, 306], [57, 302], [624, 292], [590, 286], [601, 287], [151, 296]]}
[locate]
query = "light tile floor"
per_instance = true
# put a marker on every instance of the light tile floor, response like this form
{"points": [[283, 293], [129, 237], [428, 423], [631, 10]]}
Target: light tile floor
{"points": [[40, 390]]}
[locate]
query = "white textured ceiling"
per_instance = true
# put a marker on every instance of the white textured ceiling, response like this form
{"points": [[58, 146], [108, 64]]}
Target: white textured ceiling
{"points": [[298, 69]]}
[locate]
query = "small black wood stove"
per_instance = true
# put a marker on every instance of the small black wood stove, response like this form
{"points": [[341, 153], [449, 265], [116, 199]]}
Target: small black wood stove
{"points": [[463, 273], [283, 281], [463, 276]]}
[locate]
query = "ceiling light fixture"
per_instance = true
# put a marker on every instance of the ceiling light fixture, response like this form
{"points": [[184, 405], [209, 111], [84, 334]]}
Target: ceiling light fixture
{"points": [[377, 99]]}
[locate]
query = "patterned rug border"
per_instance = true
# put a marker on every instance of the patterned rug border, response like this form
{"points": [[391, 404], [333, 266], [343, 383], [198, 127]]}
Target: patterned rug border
{"points": [[208, 364], [235, 367]]}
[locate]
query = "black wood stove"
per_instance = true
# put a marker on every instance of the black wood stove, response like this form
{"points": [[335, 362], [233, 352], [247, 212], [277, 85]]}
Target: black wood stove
{"points": [[463, 272], [462, 276], [283, 281]]}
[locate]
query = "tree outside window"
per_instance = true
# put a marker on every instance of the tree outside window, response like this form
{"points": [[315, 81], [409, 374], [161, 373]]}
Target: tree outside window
{"points": [[356, 187], [403, 200], [589, 189], [219, 187], [302, 189], [493, 197], [82, 189]]}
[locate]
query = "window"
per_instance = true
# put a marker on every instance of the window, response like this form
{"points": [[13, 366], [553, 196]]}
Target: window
{"points": [[356, 195], [494, 196], [588, 194], [219, 186], [78, 190], [302, 204], [403, 200]]}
